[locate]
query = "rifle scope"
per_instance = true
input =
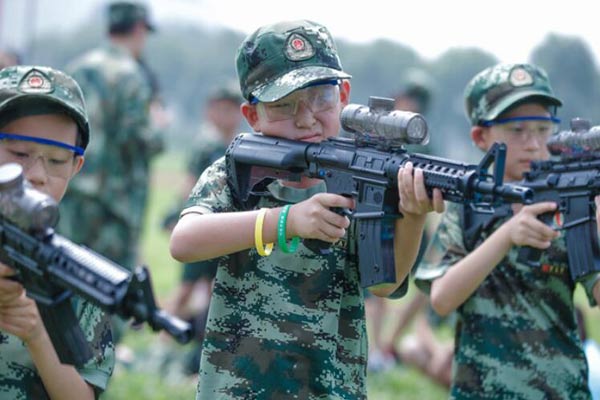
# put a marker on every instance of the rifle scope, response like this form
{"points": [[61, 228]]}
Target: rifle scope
{"points": [[581, 138], [29, 209], [380, 122]]}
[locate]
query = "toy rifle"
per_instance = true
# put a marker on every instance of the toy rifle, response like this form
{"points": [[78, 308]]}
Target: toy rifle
{"points": [[572, 181], [365, 167]]}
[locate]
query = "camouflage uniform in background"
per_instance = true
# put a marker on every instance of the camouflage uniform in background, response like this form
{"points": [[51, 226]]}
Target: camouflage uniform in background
{"points": [[207, 152], [517, 335], [105, 205], [19, 378], [285, 312]]}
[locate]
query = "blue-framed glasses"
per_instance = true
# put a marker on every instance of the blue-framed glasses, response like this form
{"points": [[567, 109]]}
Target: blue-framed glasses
{"points": [[523, 128], [57, 157], [75, 149]]}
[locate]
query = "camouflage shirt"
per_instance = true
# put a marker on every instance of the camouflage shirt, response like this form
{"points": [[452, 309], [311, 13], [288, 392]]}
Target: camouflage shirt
{"points": [[283, 326], [517, 334], [206, 150], [19, 379], [117, 165]]}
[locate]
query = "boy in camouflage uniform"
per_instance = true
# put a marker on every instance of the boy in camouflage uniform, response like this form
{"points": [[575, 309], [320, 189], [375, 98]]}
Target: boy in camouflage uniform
{"points": [[288, 325], [517, 334], [44, 127]]}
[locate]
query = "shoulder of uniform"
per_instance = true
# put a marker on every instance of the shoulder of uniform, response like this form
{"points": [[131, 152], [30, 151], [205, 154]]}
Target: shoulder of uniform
{"points": [[113, 63]]}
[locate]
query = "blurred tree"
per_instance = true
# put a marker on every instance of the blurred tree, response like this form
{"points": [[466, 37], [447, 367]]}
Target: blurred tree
{"points": [[376, 67], [447, 120], [572, 69], [188, 59]]}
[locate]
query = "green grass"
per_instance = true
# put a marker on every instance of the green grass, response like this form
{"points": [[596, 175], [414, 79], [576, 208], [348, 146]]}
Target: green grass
{"points": [[144, 380]]}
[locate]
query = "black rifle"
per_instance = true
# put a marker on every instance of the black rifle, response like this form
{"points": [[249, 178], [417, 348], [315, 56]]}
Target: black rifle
{"points": [[572, 182], [51, 269], [366, 169]]}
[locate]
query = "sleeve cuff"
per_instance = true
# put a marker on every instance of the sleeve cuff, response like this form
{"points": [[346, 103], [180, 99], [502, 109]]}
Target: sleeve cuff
{"points": [[195, 210], [588, 283], [98, 379], [400, 291]]}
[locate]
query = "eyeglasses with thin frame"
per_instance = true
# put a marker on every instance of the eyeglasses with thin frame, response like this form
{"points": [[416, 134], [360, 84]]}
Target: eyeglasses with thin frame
{"points": [[527, 127], [56, 157], [318, 98]]}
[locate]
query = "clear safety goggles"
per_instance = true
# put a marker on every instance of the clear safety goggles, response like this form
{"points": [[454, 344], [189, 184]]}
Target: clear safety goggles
{"points": [[56, 157], [318, 98], [524, 128]]}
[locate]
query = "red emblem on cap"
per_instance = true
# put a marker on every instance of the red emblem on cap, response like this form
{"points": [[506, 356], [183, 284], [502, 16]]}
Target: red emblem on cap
{"points": [[520, 75], [35, 81], [298, 44], [298, 48]]}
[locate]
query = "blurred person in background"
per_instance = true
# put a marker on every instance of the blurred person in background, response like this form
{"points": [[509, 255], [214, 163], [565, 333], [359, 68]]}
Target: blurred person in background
{"points": [[105, 206], [222, 119], [422, 351]]}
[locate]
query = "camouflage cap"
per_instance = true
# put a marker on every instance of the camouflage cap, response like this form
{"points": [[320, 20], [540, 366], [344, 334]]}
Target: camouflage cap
{"points": [[277, 59], [122, 15], [495, 89], [35, 90]]}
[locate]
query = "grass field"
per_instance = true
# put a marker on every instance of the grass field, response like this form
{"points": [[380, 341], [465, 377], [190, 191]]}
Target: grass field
{"points": [[144, 380]]}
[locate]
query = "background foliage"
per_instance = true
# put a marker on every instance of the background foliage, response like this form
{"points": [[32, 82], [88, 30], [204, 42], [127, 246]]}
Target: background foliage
{"points": [[190, 60]]}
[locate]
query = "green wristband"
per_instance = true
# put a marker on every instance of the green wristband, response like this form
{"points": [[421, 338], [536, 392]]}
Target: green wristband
{"points": [[281, 229]]}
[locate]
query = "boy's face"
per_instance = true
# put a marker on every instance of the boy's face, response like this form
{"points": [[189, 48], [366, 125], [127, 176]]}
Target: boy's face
{"points": [[48, 168], [311, 114], [525, 139]]}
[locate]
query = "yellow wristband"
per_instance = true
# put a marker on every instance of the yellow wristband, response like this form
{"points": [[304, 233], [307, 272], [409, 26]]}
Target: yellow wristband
{"points": [[258, 239]]}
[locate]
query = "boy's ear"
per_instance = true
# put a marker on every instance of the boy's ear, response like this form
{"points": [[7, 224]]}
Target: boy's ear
{"points": [[345, 92], [480, 136], [251, 114], [79, 160]]}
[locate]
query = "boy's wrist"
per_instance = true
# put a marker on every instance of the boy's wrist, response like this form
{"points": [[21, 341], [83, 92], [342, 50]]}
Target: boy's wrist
{"points": [[38, 339], [502, 234], [414, 218]]}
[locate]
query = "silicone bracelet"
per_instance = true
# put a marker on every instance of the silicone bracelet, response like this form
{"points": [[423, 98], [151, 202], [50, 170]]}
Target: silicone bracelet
{"points": [[281, 229], [258, 239]]}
